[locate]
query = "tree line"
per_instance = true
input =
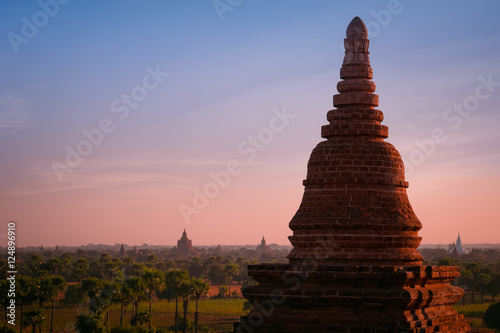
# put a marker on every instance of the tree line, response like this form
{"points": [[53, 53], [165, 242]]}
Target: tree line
{"points": [[100, 283], [476, 277]]}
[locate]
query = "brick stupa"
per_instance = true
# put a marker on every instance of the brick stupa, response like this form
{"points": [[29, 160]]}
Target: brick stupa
{"points": [[354, 266]]}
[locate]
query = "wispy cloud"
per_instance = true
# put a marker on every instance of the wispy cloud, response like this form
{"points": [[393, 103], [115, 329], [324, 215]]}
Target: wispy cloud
{"points": [[100, 174], [13, 115]]}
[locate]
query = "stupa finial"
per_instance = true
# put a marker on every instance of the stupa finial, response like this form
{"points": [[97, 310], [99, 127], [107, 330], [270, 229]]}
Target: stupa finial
{"points": [[357, 28], [356, 44]]}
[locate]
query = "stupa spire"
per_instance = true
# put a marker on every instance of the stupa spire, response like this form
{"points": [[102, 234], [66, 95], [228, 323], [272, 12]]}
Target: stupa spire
{"points": [[355, 114], [354, 265], [355, 208]]}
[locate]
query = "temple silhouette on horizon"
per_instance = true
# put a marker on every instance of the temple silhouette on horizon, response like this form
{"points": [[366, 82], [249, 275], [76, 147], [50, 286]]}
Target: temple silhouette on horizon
{"points": [[185, 246], [354, 266], [456, 248]]}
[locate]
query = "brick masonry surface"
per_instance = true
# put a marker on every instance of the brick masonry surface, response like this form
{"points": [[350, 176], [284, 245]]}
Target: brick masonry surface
{"points": [[354, 266]]}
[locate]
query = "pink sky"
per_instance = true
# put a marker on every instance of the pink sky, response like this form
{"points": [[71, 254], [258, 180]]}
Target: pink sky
{"points": [[231, 81]]}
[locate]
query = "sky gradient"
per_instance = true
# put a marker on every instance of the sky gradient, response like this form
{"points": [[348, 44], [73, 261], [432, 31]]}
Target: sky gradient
{"points": [[114, 116]]}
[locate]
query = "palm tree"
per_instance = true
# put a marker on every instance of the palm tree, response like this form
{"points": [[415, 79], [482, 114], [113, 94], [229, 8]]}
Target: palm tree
{"points": [[137, 291], [200, 288], [185, 291], [105, 257], [196, 267], [122, 296], [128, 262], [111, 268], [137, 269], [493, 287], [171, 264], [474, 268], [5, 299], [153, 280], [217, 274], [231, 270], [35, 263], [161, 266], [104, 260], [66, 262], [91, 287], [105, 298], [483, 281], [53, 265], [48, 288], [34, 318], [152, 260], [173, 280], [26, 293], [240, 261], [80, 269], [465, 274]]}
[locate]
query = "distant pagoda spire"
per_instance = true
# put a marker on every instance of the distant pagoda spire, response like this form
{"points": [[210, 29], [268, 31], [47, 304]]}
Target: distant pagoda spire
{"points": [[219, 249], [458, 246], [263, 248], [122, 253], [184, 244]]}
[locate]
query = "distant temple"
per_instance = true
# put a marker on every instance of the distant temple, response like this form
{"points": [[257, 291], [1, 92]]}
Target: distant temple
{"points": [[219, 250], [263, 248], [456, 248], [122, 253], [185, 245]]}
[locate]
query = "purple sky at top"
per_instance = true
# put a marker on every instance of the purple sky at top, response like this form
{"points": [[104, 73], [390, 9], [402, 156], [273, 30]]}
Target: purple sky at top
{"points": [[113, 116]]}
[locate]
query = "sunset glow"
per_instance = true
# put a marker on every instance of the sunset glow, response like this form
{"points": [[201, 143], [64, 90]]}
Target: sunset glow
{"points": [[128, 122]]}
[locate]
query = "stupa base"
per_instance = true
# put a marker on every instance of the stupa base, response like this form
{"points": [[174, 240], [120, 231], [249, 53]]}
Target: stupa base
{"points": [[315, 297]]}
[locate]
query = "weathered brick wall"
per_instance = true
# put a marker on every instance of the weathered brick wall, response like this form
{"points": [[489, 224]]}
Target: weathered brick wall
{"points": [[344, 298]]}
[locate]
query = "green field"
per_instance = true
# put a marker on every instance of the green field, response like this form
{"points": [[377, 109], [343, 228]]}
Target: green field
{"points": [[473, 312], [218, 314]]}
